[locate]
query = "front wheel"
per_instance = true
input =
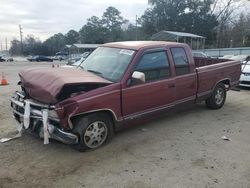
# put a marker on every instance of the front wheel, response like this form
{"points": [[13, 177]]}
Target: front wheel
{"points": [[93, 130], [217, 99]]}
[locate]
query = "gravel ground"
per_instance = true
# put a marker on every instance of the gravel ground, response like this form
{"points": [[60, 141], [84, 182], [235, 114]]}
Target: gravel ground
{"points": [[181, 149]]}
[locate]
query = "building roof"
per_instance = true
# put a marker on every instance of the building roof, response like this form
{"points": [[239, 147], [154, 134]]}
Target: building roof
{"points": [[68, 46], [136, 45], [182, 34], [86, 45], [174, 35]]}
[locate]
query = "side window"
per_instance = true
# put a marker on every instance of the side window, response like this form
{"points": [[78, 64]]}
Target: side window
{"points": [[154, 65], [180, 61]]}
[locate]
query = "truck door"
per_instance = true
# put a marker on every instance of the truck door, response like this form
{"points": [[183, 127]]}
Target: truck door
{"points": [[186, 77], [158, 91]]}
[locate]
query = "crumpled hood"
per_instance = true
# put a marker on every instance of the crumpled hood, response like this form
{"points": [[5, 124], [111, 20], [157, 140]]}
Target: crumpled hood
{"points": [[44, 84]]}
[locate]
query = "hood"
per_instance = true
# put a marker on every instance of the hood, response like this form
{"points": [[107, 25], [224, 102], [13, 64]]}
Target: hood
{"points": [[246, 68], [50, 85]]}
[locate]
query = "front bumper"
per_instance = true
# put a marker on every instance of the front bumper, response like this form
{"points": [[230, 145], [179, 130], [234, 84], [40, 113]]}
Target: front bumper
{"points": [[33, 115], [245, 80]]}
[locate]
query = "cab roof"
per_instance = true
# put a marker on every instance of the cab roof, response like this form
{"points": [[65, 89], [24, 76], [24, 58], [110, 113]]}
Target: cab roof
{"points": [[136, 45]]}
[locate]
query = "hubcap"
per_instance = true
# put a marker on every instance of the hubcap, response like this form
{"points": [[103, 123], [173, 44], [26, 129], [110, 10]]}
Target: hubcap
{"points": [[95, 134], [219, 96]]}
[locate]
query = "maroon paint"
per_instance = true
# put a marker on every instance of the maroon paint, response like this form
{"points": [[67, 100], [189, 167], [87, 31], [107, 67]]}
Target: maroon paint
{"points": [[126, 102]]}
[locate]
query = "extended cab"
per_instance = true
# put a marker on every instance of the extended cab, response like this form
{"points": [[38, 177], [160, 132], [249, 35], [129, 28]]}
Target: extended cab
{"points": [[117, 85]]}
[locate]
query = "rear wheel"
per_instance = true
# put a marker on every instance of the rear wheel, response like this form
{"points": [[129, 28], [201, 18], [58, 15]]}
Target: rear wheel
{"points": [[217, 99], [93, 130]]}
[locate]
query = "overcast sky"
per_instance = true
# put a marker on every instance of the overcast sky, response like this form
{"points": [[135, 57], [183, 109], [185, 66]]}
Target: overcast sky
{"points": [[43, 18]]}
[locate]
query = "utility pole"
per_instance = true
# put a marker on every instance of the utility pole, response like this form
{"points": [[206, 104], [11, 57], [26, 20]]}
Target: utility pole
{"points": [[136, 37], [21, 38], [6, 44]]}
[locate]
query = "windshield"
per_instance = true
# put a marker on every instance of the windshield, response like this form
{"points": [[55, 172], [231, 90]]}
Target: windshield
{"points": [[109, 63]]}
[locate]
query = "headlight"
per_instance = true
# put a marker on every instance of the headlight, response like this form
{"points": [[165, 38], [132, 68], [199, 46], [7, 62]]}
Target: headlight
{"points": [[53, 114]]}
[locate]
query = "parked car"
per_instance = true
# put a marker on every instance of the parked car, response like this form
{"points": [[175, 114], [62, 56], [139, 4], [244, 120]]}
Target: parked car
{"points": [[73, 60], [39, 58], [200, 54], [6, 58], [226, 57], [2, 59], [245, 75], [76, 58], [74, 65], [118, 85], [240, 58], [61, 56]]}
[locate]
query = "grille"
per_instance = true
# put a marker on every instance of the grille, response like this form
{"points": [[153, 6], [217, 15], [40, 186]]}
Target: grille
{"points": [[246, 74], [245, 82]]}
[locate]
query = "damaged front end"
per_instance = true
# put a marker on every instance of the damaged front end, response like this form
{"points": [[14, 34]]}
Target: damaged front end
{"points": [[39, 118], [44, 106]]}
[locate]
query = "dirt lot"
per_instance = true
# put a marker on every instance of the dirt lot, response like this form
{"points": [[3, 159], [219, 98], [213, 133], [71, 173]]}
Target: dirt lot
{"points": [[181, 149]]}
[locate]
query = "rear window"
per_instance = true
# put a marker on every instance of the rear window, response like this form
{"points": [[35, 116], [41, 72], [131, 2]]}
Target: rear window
{"points": [[180, 61]]}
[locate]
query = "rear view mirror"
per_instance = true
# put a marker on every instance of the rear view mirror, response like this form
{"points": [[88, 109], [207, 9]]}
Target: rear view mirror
{"points": [[138, 78]]}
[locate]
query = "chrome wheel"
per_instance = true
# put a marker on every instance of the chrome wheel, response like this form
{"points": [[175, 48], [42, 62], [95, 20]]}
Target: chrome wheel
{"points": [[219, 96], [95, 134]]}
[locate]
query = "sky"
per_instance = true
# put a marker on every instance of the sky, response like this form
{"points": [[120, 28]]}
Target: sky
{"points": [[43, 18]]}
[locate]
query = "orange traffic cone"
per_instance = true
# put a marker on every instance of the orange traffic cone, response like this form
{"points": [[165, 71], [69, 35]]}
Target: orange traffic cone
{"points": [[3, 80]]}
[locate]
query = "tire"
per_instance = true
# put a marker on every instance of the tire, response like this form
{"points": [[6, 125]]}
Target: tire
{"points": [[94, 131], [218, 97]]}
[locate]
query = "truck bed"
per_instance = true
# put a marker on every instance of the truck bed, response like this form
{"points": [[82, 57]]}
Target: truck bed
{"points": [[200, 61], [211, 71]]}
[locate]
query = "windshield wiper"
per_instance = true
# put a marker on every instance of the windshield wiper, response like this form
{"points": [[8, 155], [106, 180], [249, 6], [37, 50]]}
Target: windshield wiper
{"points": [[95, 72]]}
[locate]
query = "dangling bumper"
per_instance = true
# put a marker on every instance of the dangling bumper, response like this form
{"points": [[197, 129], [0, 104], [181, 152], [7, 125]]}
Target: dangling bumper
{"points": [[33, 115]]}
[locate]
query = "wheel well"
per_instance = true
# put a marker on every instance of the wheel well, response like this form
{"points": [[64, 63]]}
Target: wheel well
{"points": [[226, 82], [107, 112]]}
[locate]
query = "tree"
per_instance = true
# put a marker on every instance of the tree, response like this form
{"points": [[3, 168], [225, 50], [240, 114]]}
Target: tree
{"points": [[177, 15], [239, 32], [72, 37], [225, 12], [15, 48], [112, 20], [129, 34], [106, 29], [94, 32], [32, 46], [54, 44], [148, 23]]}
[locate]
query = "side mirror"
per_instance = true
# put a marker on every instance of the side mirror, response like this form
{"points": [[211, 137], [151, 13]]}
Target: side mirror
{"points": [[138, 78]]}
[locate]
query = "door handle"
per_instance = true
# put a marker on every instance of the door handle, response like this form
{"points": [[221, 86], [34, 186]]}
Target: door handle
{"points": [[172, 85]]}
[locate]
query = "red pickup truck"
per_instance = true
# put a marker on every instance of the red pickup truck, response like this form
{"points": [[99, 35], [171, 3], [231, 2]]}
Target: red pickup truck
{"points": [[117, 85]]}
